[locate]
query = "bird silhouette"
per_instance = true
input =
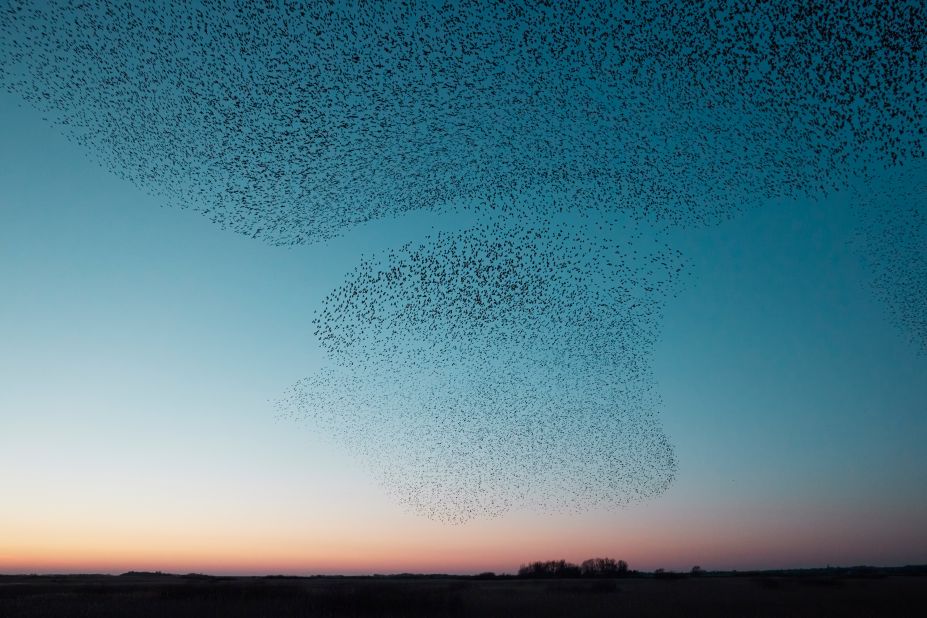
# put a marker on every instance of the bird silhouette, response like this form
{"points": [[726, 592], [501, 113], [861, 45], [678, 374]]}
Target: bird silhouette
{"points": [[507, 363]]}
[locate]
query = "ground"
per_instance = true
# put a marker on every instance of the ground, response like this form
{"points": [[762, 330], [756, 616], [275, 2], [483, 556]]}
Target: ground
{"points": [[150, 595]]}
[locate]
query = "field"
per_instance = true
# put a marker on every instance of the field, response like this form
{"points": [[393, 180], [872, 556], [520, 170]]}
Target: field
{"points": [[150, 595]]}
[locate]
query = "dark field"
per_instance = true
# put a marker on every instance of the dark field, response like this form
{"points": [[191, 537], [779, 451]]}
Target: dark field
{"points": [[182, 596]]}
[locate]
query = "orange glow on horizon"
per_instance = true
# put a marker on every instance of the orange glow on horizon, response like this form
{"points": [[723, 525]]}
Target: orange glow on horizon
{"points": [[499, 546]]}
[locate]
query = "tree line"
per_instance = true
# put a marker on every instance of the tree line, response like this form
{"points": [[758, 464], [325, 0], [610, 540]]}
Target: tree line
{"points": [[594, 567]]}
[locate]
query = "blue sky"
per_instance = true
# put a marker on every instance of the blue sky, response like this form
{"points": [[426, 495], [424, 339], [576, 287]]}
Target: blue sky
{"points": [[141, 348]]}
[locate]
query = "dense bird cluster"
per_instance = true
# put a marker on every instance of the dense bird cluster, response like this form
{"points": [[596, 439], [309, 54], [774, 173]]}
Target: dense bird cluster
{"points": [[455, 447], [894, 233], [569, 293], [294, 121], [506, 363]]}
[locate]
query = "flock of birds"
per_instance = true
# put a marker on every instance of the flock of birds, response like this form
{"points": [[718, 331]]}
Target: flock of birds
{"points": [[507, 363], [293, 122], [893, 215]]}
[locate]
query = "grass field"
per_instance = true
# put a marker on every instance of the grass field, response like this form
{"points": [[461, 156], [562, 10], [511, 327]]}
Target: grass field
{"points": [[182, 596]]}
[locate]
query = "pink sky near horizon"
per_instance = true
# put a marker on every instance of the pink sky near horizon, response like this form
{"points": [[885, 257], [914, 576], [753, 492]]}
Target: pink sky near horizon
{"points": [[645, 536]]}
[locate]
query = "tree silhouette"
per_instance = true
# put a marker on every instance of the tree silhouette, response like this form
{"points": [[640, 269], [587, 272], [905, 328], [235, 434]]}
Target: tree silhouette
{"points": [[550, 568], [594, 567], [604, 567]]}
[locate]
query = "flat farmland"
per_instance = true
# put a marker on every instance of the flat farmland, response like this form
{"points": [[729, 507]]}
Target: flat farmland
{"points": [[181, 596]]}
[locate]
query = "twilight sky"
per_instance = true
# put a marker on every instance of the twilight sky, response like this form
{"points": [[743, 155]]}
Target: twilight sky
{"points": [[143, 348]]}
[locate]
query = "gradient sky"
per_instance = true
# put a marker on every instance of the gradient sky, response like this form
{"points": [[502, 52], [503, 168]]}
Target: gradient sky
{"points": [[141, 348]]}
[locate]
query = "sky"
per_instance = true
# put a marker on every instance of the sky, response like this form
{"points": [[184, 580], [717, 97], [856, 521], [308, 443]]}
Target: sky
{"points": [[143, 348]]}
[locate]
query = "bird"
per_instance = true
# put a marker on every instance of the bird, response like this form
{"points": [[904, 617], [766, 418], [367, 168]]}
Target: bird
{"points": [[509, 363]]}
